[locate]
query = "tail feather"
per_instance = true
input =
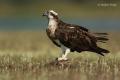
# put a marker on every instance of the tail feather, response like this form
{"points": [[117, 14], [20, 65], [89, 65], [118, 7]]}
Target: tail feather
{"points": [[102, 41], [100, 51], [102, 37], [101, 33]]}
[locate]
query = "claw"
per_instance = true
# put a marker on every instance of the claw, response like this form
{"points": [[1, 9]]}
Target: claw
{"points": [[62, 59]]}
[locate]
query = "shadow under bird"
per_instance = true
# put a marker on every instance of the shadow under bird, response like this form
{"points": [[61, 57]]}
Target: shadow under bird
{"points": [[71, 37]]}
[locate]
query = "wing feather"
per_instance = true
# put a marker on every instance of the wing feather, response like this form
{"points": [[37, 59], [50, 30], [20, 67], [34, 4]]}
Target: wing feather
{"points": [[52, 39], [75, 38]]}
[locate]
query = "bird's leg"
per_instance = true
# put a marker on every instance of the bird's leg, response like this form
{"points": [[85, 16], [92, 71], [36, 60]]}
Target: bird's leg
{"points": [[64, 54]]}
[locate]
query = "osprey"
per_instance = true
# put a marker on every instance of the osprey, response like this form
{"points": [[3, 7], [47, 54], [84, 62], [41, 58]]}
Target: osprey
{"points": [[70, 37]]}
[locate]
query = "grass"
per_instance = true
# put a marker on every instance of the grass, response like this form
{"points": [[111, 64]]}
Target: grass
{"points": [[26, 56]]}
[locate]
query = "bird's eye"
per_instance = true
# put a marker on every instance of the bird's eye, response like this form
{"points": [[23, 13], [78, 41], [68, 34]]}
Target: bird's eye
{"points": [[51, 13]]}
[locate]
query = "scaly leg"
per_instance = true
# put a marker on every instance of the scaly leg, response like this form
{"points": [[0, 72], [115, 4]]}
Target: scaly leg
{"points": [[65, 52]]}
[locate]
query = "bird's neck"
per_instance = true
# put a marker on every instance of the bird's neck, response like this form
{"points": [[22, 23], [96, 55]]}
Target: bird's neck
{"points": [[52, 26], [52, 22]]}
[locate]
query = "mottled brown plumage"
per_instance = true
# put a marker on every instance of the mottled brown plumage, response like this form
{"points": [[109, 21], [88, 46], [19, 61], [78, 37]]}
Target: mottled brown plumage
{"points": [[74, 37], [77, 38]]}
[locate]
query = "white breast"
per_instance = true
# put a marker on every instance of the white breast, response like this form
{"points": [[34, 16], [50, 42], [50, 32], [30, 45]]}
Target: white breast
{"points": [[52, 25]]}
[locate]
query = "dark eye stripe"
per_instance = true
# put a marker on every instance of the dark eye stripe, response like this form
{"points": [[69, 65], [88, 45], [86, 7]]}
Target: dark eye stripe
{"points": [[53, 15]]}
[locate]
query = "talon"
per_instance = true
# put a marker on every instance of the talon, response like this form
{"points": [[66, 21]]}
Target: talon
{"points": [[62, 59]]}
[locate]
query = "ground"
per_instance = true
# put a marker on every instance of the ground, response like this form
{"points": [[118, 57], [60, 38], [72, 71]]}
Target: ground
{"points": [[29, 56]]}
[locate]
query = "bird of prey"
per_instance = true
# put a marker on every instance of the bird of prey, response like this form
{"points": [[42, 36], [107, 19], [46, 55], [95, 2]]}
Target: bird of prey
{"points": [[71, 37]]}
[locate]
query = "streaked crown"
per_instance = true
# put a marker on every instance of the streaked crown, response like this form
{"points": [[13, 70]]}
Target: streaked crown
{"points": [[51, 14]]}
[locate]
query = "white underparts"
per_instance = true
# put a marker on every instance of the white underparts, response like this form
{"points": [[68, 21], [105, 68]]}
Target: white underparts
{"points": [[52, 25]]}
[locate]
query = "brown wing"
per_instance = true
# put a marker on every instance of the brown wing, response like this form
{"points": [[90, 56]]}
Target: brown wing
{"points": [[51, 38], [63, 24], [82, 28], [75, 38]]}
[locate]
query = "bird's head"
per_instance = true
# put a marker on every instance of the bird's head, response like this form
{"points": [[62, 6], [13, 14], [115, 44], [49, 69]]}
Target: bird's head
{"points": [[51, 14]]}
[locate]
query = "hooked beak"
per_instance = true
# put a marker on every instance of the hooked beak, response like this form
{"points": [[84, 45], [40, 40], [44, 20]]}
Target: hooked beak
{"points": [[45, 14]]}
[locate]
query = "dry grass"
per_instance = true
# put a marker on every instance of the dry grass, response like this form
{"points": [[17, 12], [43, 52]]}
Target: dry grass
{"points": [[26, 56]]}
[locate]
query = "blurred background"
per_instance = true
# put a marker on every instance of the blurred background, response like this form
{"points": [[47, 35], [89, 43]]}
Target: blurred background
{"points": [[27, 14], [25, 49], [23, 26]]}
